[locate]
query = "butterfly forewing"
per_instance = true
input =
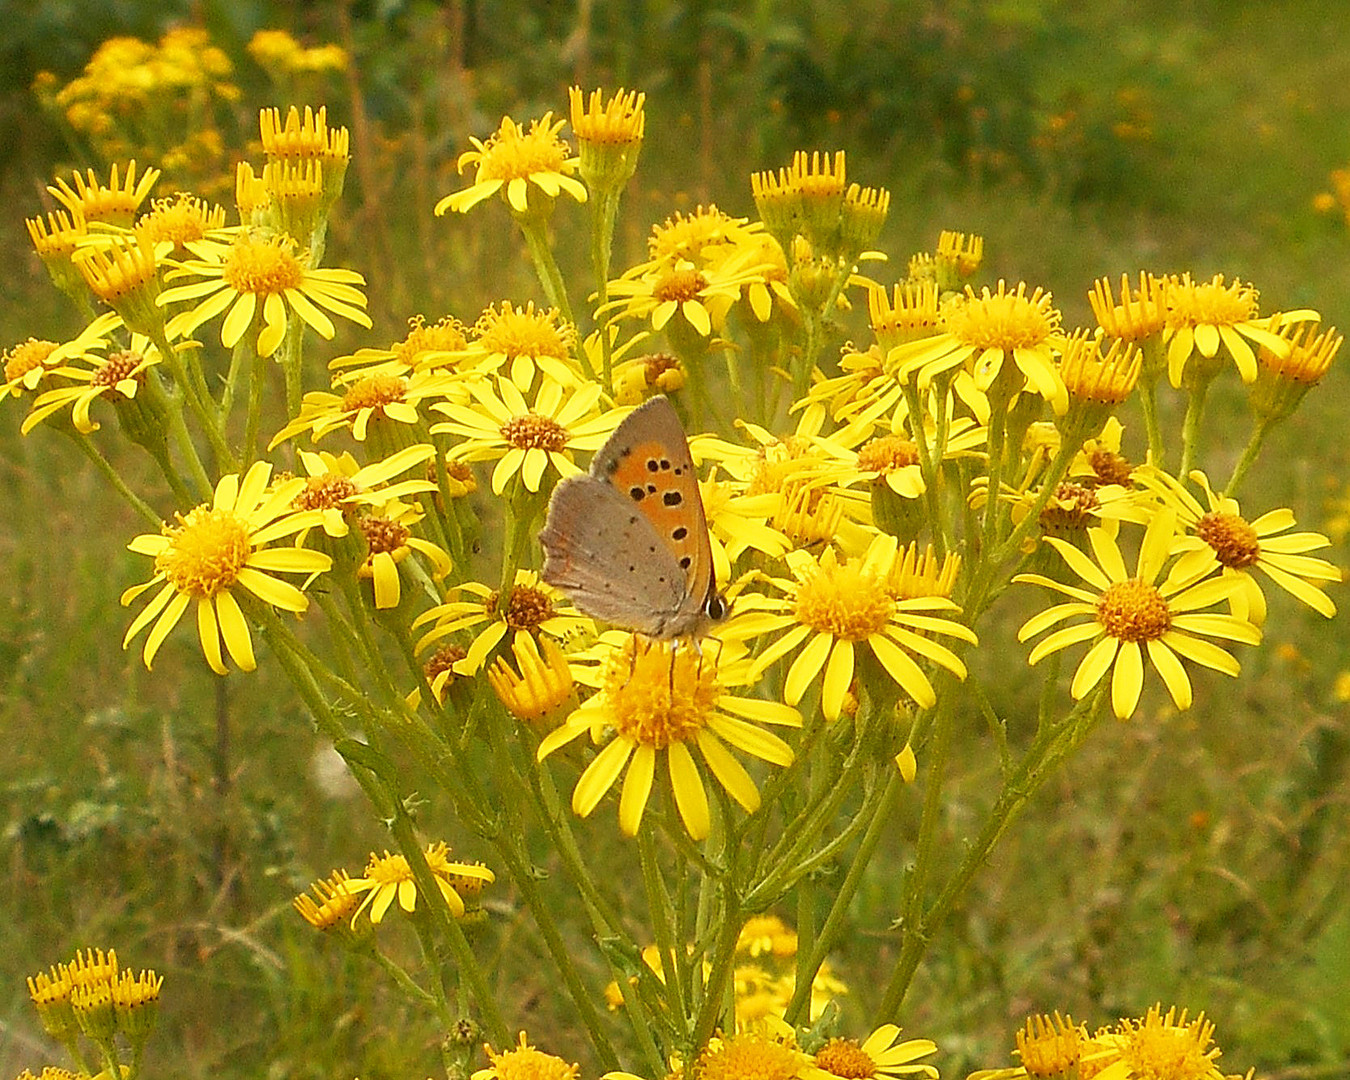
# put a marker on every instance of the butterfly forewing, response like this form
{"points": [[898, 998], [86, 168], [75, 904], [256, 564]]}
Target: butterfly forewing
{"points": [[647, 460]]}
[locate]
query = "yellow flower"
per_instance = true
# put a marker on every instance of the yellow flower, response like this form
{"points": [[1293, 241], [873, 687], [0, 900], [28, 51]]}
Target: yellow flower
{"points": [[116, 376], [878, 1057], [258, 280], [1202, 316], [701, 296], [332, 905], [185, 225], [766, 934], [532, 607], [609, 135], [366, 401], [758, 1053], [656, 697], [958, 255], [524, 1062], [389, 540], [335, 485], [911, 313], [1139, 315], [1130, 614], [832, 608], [984, 332], [124, 274], [544, 684], [217, 548], [523, 439], [1223, 539], [516, 160], [1164, 1045], [30, 363], [388, 877], [112, 205], [524, 341]]}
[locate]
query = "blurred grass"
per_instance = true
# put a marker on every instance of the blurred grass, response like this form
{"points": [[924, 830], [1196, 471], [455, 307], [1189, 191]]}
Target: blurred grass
{"points": [[1196, 859]]}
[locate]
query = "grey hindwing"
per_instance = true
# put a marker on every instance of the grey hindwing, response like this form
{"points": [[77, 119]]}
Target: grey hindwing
{"points": [[600, 549]]}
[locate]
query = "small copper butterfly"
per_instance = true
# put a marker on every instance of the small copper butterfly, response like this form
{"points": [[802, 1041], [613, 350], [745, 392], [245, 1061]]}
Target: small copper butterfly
{"points": [[628, 541]]}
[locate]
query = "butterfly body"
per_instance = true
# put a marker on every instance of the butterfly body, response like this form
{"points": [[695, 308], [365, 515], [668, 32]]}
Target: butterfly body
{"points": [[628, 541]]}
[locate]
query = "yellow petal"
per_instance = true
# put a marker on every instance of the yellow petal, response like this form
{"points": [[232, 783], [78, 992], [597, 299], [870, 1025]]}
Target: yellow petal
{"points": [[730, 773], [234, 629], [1173, 674], [600, 775], [1127, 679], [1094, 665], [690, 798], [210, 636], [637, 786]]}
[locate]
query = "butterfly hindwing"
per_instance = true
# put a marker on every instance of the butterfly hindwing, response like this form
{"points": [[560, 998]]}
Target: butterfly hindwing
{"points": [[602, 551]]}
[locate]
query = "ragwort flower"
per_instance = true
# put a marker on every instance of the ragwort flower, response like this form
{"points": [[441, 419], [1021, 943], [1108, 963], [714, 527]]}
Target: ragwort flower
{"points": [[517, 160], [116, 376], [219, 547], [1221, 538], [523, 439], [834, 607], [878, 1057], [388, 877], [1130, 615], [524, 1062], [655, 699], [258, 279]]}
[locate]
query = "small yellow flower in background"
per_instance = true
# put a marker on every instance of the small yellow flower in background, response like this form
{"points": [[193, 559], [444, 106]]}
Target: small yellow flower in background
{"points": [[989, 330], [389, 877], [93, 995], [832, 608], [1164, 1045], [524, 439], [389, 540], [524, 1062], [517, 160], [958, 255], [655, 699], [115, 204], [278, 52], [878, 1057], [534, 607], [336, 485], [1202, 316], [259, 280], [1222, 539], [767, 934], [701, 296], [27, 364], [56, 239], [1131, 615], [216, 548], [366, 402], [309, 138], [804, 198], [116, 376], [333, 904], [544, 684]]}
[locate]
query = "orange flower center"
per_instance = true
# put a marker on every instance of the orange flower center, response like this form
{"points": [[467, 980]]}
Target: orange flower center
{"points": [[524, 332], [206, 551], [1111, 468], [1069, 510], [844, 601], [527, 609], [443, 659], [844, 1057], [119, 365], [262, 268], [384, 536], [1134, 611], [1234, 540], [887, 454], [535, 432], [325, 492], [659, 694], [1004, 320], [681, 284], [511, 153], [750, 1056]]}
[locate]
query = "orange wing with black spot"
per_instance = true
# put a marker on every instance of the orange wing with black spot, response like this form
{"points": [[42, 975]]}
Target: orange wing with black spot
{"points": [[629, 541]]}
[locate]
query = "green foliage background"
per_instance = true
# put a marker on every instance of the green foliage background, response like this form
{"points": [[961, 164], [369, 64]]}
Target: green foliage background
{"points": [[1197, 859]]}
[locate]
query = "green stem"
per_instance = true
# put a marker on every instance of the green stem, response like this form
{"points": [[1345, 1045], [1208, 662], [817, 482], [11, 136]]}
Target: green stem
{"points": [[663, 930], [206, 416], [834, 921], [1148, 399], [1259, 432], [172, 409], [534, 227], [604, 210], [1190, 432], [114, 478]]}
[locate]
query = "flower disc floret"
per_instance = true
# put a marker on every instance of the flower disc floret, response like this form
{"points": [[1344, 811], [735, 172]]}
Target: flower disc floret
{"points": [[516, 159], [1133, 611], [524, 1062], [1234, 541]]}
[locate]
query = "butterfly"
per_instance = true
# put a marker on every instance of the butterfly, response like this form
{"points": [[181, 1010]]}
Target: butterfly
{"points": [[628, 541]]}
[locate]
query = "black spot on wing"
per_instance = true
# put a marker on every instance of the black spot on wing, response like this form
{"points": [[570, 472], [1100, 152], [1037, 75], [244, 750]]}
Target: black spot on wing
{"points": [[672, 498]]}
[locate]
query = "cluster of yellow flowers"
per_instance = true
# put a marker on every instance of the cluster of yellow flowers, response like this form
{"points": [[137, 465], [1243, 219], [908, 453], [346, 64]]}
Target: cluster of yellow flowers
{"points": [[967, 445], [94, 997], [156, 101]]}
